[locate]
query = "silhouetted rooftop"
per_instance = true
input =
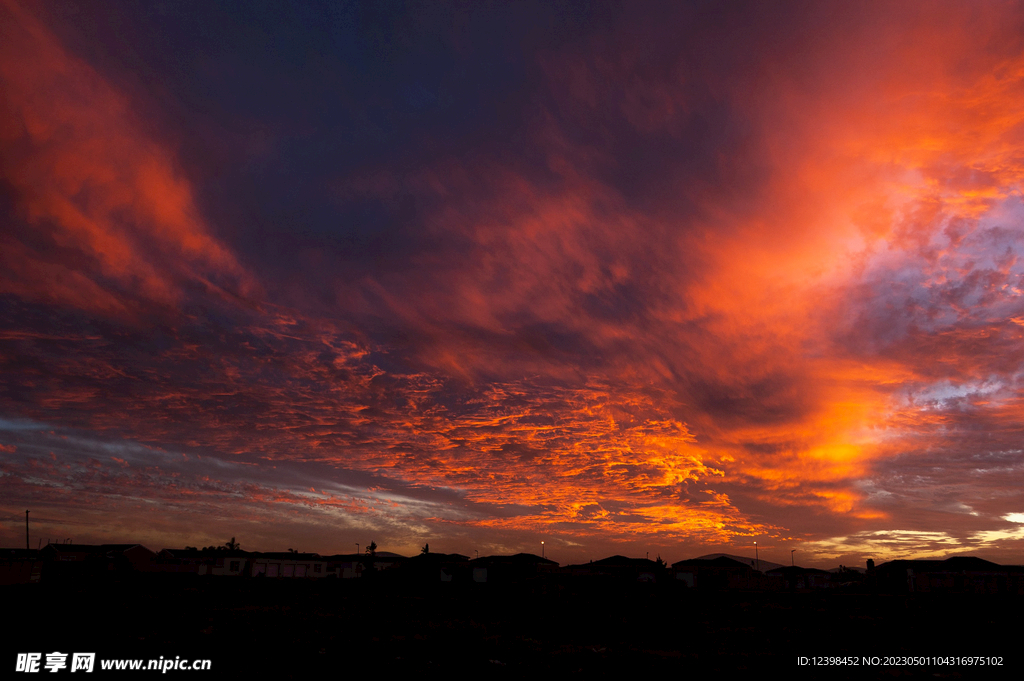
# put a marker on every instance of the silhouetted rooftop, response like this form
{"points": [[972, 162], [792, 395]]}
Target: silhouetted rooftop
{"points": [[720, 562], [440, 557], [954, 564], [617, 562], [516, 559], [193, 552], [287, 555], [91, 548], [794, 570]]}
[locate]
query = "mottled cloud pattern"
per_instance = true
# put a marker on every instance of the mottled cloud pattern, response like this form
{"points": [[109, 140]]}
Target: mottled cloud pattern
{"points": [[661, 281]]}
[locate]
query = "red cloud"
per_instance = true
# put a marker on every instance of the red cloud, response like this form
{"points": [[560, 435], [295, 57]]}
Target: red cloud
{"points": [[104, 217]]}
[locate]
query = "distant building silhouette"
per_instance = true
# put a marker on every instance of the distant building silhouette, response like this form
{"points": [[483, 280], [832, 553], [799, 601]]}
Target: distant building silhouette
{"points": [[621, 568], [720, 574], [73, 560], [796, 578], [510, 569], [20, 566], [960, 574], [55, 562]]}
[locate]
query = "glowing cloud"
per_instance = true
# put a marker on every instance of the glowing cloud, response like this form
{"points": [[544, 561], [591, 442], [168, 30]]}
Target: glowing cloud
{"points": [[103, 221]]}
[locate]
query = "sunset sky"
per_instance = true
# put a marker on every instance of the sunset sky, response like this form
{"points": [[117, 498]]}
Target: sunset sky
{"points": [[623, 278]]}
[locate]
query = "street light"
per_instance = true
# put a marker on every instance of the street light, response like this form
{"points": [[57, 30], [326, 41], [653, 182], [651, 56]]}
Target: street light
{"points": [[542, 550], [357, 548], [791, 561], [758, 560]]}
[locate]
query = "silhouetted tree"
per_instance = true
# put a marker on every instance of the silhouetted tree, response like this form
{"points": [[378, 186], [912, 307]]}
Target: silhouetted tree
{"points": [[232, 545], [660, 563], [371, 553], [425, 550]]}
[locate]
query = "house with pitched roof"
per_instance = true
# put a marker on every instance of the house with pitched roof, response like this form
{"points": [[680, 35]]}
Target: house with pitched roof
{"points": [[959, 574]]}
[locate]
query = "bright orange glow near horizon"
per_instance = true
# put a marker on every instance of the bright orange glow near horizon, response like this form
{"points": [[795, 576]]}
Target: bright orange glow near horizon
{"points": [[680, 280]]}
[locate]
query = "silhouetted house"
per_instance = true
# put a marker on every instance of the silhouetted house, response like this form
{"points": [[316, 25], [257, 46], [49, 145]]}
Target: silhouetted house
{"points": [[435, 567], [846, 577], [720, 573], [960, 574], [796, 578], [20, 566], [355, 565], [385, 560], [619, 568], [209, 561], [345, 565], [79, 560], [231, 563], [181, 561], [509, 569], [288, 564]]}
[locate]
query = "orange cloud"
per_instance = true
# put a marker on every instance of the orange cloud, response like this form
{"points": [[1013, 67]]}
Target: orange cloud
{"points": [[105, 221]]}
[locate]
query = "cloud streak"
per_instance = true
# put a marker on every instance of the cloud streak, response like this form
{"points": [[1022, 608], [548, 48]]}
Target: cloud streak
{"points": [[103, 221]]}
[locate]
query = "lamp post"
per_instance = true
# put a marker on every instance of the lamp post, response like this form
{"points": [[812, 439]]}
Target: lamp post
{"points": [[756, 558], [357, 547], [791, 560], [542, 550]]}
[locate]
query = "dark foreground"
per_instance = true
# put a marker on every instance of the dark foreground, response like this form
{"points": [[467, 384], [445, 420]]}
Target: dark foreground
{"points": [[292, 629]]}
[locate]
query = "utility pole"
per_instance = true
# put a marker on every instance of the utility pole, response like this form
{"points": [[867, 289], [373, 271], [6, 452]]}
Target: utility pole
{"points": [[791, 560], [27, 547]]}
